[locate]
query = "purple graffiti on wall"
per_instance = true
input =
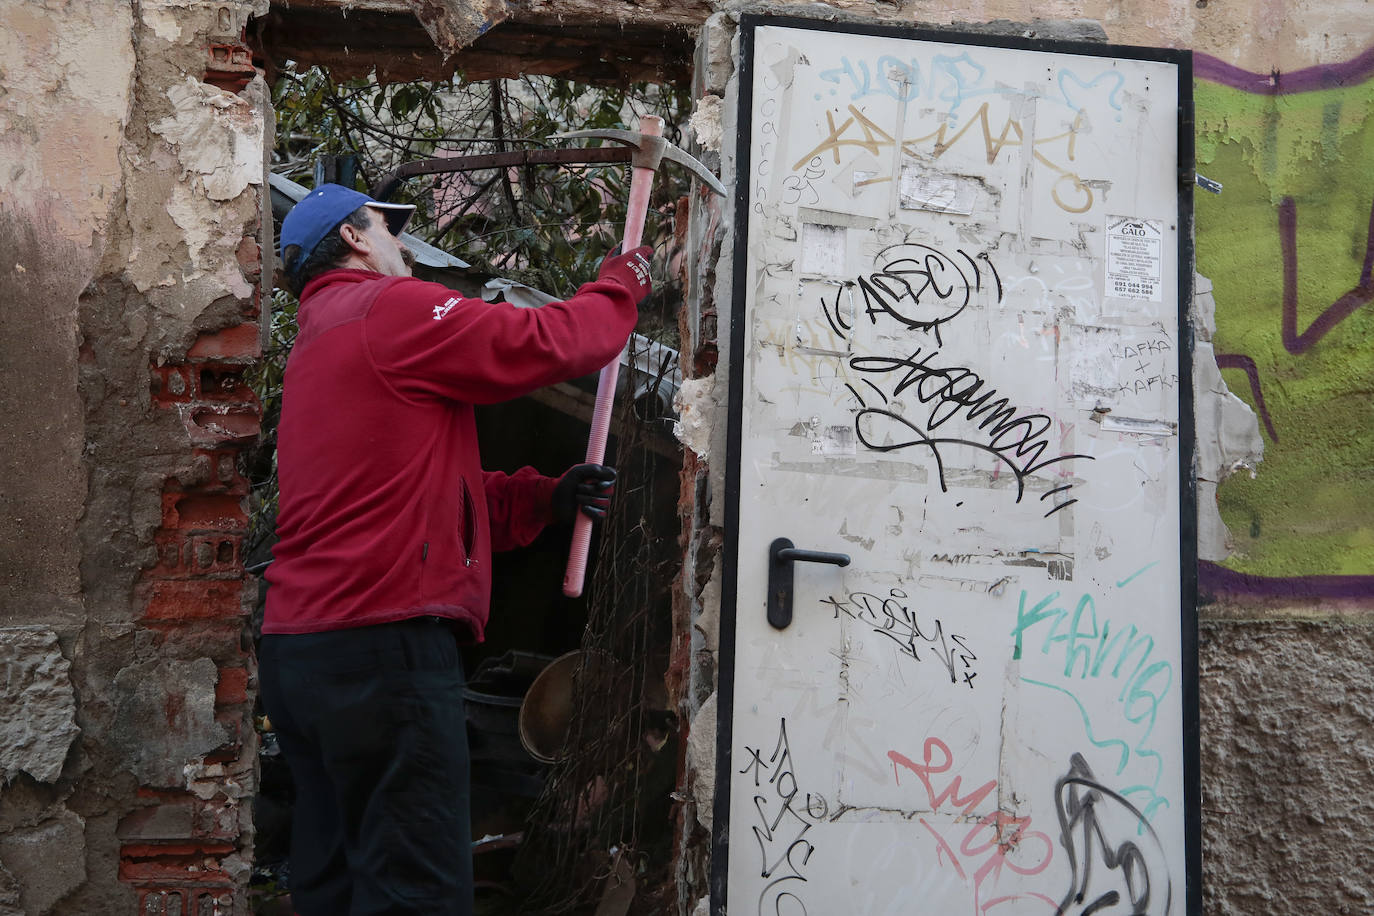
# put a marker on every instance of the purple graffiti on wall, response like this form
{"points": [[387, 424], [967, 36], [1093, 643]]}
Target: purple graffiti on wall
{"points": [[1335, 313], [1299, 343], [1322, 76]]}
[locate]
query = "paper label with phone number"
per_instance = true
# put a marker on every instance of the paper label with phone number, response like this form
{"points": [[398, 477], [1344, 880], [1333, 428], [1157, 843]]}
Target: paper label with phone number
{"points": [[1135, 258]]}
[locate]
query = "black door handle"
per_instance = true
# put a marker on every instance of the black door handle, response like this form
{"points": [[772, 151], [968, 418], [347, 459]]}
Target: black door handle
{"points": [[782, 553]]}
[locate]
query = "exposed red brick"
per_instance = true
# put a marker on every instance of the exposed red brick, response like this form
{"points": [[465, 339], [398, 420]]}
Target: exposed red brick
{"points": [[239, 342], [252, 306], [171, 385], [214, 470], [205, 512], [189, 900], [216, 425], [171, 859], [224, 383], [249, 255], [192, 599], [229, 67], [219, 554], [180, 555], [136, 851], [169, 556], [227, 470], [191, 850], [232, 686]]}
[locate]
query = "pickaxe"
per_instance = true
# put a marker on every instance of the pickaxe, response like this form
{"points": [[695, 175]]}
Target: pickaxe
{"points": [[649, 151]]}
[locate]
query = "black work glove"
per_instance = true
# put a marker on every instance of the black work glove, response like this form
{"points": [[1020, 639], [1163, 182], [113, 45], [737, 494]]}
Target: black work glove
{"points": [[587, 487], [630, 270]]}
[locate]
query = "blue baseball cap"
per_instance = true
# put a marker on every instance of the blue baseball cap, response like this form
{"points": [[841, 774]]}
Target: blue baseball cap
{"points": [[322, 210]]}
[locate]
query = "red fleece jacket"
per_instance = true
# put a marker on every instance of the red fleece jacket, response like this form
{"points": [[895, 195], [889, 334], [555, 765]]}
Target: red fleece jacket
{"points": [[385, 510]]}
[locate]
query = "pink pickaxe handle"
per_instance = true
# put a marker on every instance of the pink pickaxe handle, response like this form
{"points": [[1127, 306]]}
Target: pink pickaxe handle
{"points": [[641, 183]]}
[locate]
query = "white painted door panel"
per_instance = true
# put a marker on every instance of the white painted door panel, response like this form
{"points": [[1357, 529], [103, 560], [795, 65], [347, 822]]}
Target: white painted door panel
{"points": [[960, 361]]}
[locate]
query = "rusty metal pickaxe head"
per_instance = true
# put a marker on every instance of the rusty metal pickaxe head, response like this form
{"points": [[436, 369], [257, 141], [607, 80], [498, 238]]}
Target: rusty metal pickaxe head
{"points": [[650, 151]]}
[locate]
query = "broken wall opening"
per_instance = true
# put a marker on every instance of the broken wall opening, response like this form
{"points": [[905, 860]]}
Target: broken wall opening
{"points": [[508, 233]]}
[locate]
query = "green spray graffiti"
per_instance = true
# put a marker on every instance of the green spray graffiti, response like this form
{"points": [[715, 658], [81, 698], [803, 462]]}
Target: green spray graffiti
{"points": [[1308, 159]]}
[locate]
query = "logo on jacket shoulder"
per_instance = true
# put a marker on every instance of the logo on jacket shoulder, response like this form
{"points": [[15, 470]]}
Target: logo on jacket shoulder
{"points": [[441, 310]]}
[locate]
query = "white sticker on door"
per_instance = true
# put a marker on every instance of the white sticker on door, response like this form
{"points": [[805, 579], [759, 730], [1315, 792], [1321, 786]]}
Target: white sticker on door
{"points": [[1135, 258]]}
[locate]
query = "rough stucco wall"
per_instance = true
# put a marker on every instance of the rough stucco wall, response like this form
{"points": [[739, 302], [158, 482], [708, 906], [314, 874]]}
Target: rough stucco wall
{"points": [[1285, 733], [1287, 752], [129, 223]]}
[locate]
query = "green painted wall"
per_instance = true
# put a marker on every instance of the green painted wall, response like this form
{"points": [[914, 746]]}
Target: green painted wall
{"points": [[1310, 508]]}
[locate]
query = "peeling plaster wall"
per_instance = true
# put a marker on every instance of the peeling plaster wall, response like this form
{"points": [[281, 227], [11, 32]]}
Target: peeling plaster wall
{"points": [[131, 144], [1280, 743], [60, 187], [1228, 438]]}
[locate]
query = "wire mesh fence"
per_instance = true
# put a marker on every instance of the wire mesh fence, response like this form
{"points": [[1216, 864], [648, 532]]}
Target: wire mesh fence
{"points": [[601, 824]]}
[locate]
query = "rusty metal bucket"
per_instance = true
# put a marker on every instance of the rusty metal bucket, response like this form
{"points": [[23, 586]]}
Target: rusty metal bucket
{"points": [[546, 713]]}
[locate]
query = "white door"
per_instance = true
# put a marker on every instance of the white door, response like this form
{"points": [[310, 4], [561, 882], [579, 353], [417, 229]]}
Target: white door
{"points": [[958, 362]]}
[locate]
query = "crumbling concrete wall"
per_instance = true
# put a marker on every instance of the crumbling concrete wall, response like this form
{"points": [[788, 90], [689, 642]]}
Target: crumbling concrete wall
{"points": [[132, 145], [1283, 657]]}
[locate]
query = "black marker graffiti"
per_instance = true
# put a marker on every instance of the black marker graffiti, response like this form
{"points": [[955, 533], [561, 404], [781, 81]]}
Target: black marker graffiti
{"points": [[921, 288], [892, 618], [1152, 359], [781, 828], [1084, 807], [918, 287], [1017, 439], [802, 188]]}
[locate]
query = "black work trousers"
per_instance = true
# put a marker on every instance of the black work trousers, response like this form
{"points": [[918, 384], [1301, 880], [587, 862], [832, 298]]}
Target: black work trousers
{"points": [[372, 725]]}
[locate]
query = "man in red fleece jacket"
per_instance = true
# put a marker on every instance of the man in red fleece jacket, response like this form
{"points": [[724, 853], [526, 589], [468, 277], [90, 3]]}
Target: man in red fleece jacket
{"points": [[387, 523]]}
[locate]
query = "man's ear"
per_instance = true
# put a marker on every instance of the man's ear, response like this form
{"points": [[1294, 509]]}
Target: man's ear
{"points": [[355, 239]]}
